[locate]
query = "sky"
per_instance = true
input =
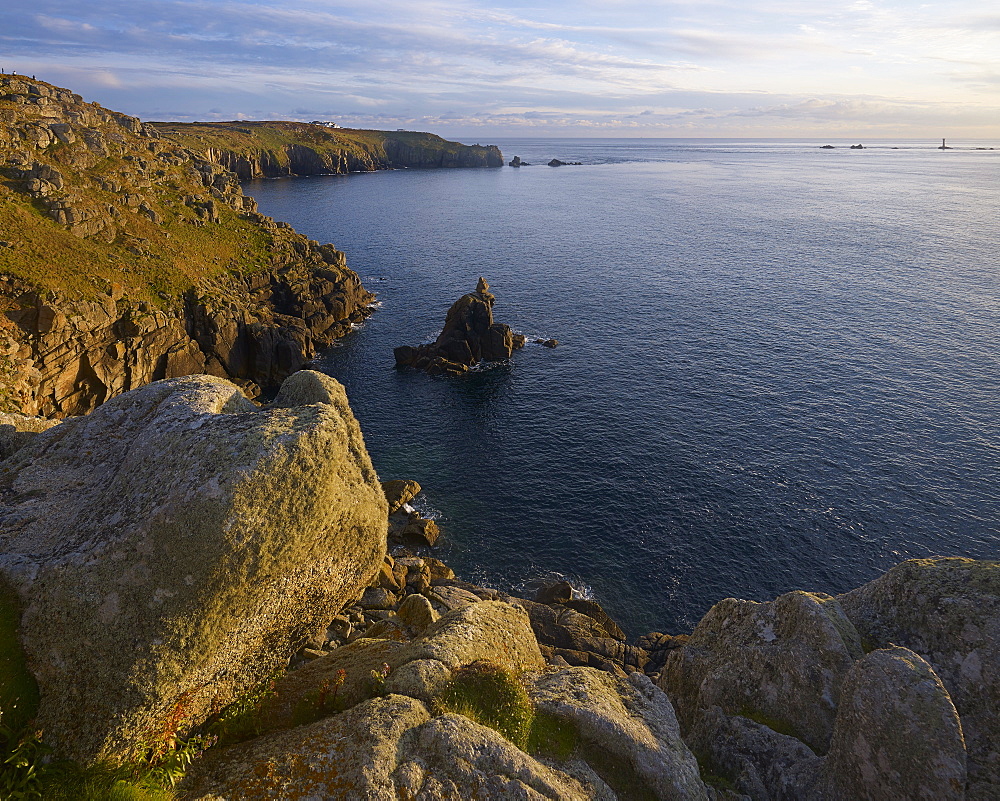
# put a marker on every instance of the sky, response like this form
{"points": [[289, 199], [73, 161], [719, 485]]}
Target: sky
{"points": [[775, 68]]}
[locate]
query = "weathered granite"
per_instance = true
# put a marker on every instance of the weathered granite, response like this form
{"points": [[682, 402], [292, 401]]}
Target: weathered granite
{"points": [[178, 544], [948, 612], [897, 735], [780, 662], [629, 721]]}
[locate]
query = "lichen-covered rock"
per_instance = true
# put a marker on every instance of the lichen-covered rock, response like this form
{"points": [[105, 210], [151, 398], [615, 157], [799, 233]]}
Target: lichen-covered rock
{"points": [[629, 721], [780, 663], [416, 613], [179, 544], [451, 757], [490, 631], [897, 735], [757, 761], [382, 750], [348, 756], [948, 612]]}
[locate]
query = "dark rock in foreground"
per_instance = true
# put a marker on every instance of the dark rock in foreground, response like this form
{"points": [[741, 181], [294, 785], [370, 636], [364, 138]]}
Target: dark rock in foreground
{"points": [[469, 336], [516, 162], [558, 163]]}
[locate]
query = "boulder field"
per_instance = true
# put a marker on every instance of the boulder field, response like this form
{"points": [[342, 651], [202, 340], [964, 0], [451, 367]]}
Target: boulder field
{"points": [[182, 548]]}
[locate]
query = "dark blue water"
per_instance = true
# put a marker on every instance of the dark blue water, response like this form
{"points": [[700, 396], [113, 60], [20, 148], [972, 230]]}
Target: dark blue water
{"points": [[778, 365]]}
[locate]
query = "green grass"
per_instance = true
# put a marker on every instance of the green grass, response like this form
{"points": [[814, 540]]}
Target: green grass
{"points": [[495, 698], [18, 690]]}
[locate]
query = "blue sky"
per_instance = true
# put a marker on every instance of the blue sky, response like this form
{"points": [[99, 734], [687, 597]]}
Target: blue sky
{"points": [[467, 69]]}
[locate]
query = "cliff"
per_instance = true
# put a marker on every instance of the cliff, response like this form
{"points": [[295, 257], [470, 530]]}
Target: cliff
{"points": [[126, 258], [273, 149]]}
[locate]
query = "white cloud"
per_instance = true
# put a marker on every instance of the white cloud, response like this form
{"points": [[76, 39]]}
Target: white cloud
{"points": [[594, 64]]}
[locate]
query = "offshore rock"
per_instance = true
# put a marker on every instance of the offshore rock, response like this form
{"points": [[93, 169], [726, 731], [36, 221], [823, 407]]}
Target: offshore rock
{"points": [[948, 612], [469, 336], [178, 544]]}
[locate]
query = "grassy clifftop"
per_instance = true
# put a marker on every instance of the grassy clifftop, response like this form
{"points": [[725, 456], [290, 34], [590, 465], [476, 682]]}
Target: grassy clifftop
{"points": [[126, 257], [271, 149], [90, 197]]}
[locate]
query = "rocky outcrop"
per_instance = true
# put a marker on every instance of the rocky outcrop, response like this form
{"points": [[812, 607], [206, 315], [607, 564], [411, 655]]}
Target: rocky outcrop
{"points": [[618, 738], [948, 612], [386, 748], [178, 544], [274, 149], [130, 259], [816, 698], [469, 336]]}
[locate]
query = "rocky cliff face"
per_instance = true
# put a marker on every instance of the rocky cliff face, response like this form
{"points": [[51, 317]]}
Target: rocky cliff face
{"points": [[125, 258], [275, 149]]}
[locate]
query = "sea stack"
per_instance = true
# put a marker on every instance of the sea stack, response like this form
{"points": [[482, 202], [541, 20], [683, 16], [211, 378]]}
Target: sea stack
{"points": [[469, 336]]}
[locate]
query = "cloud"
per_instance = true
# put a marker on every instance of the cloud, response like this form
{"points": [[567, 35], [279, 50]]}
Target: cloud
{"points": [[598, 65]]}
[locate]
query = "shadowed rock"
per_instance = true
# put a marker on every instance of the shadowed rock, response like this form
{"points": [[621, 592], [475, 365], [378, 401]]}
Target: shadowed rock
{"points": [[469, 336]]}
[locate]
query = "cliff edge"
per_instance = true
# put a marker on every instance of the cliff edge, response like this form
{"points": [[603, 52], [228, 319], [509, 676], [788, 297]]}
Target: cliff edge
{"points": [[126, 258], [275, 149]]}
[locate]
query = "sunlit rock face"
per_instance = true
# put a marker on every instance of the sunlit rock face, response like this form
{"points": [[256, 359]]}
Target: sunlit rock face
{"points": [[179, 544]]}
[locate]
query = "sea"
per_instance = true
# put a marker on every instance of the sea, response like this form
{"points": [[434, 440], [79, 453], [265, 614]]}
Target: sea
{"points": [[778, 364]]}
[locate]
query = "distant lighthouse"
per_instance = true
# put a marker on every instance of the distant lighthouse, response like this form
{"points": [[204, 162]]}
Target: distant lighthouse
{"points": [[943, 145]]}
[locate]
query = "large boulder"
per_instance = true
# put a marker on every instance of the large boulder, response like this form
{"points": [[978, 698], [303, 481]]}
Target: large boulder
{"points": [[948, 612], [627, 723], [179, 544], [780, 663], [897, 735]]}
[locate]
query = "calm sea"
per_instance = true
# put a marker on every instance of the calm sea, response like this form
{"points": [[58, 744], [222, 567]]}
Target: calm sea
{"points": [[779, 365]]}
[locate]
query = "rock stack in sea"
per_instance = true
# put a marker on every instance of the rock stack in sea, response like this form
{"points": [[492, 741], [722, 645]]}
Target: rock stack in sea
{"points": [[469, 336]]}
